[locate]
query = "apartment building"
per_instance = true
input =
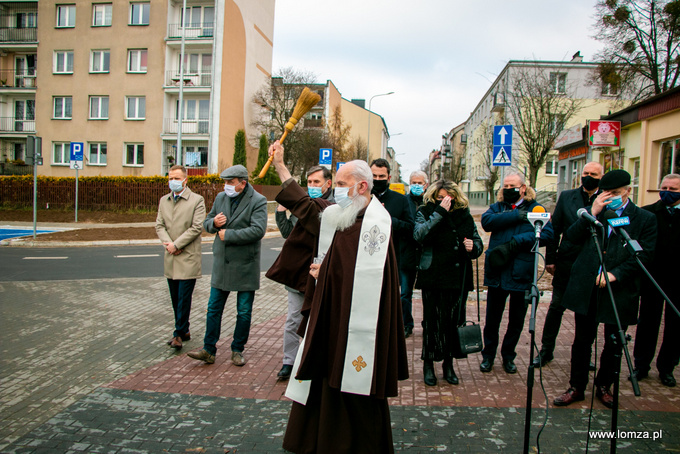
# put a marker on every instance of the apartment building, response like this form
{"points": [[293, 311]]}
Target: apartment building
{"points": [[110, 75]]}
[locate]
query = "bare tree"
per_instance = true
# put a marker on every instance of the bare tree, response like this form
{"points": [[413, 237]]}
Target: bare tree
{"points": [[484, 144], [539, 107], [338, 136], [641, 56], [358, 149]]}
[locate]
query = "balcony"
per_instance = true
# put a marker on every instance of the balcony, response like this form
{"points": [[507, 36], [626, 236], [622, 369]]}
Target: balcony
{"points": [[18, 35], [13, 124], [170, 126], [191, 79], [193, 31], [10, 78]]}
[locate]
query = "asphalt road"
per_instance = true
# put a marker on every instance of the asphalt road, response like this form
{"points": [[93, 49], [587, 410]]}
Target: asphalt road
{"points": [[55, 264]]}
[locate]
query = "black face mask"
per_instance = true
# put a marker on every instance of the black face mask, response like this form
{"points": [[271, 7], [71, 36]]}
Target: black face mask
{"points": [[589, 183], [380, 186], [511, 195]]}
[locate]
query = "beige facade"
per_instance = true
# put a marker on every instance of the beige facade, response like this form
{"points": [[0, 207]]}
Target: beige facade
{"points": [[109, 75], [363, 121]]}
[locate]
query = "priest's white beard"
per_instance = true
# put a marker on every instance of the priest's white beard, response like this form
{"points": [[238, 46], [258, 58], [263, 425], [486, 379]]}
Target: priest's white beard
{"points": [[344, 218]]}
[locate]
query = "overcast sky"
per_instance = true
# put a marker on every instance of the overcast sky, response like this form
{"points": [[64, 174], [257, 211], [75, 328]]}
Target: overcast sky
{"points": [[439, 57]]}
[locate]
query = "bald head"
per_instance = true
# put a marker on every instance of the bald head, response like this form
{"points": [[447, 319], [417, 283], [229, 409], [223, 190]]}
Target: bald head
{"points": [[594, 169]]}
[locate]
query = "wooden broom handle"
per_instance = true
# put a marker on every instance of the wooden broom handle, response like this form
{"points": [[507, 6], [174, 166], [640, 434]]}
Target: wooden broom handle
{"points": [[266, 165]]}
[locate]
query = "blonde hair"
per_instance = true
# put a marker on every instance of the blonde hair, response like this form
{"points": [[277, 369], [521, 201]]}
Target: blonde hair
{"points": [[458, 197]]}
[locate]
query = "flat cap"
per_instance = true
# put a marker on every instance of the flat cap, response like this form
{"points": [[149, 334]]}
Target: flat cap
{"points": [[237, 171], [614, 179]]}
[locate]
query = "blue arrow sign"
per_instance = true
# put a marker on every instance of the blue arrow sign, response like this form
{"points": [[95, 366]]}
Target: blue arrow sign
{"points": [[502, 135]]}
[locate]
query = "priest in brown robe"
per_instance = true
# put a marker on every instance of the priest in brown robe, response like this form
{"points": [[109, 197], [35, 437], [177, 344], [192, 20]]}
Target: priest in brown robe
{"points": [[353, 349]]}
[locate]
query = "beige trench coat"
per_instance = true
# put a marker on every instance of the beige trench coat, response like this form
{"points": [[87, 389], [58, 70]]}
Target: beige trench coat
{"points": [[181, 223]]}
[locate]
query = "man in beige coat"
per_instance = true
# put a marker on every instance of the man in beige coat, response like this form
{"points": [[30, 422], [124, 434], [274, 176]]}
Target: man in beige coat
{"points": [[179, 225]]}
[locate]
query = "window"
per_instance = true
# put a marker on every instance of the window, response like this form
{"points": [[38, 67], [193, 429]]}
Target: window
{"points": [[66, 16], [609, 89], [134, 154], [139, 13], [193, 110], [101, 14], [670, 158], [27, 20], [556, 123], [99, 107], [558, 82], [635, 181], [551, 164], [137, 61], [63, 62], [136, 108], [100, 61], [198, 21], [19, 151], [97, 154], [62, 108], [61, 153], [24, 115]]}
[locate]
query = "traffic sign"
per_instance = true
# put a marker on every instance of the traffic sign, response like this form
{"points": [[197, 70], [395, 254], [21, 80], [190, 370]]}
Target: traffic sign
{"points": [[326, 157], [76, 151], [502, 156], [338, 165], [502, 135], [76, 165], [502, 145]]}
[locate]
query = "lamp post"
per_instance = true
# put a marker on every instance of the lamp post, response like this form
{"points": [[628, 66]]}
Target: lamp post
{"points": [[368, 145]]}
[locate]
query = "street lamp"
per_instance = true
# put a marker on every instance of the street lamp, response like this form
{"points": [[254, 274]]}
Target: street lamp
{"points": [[368, 145]]}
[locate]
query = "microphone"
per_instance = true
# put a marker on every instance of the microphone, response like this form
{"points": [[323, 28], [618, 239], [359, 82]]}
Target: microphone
{"points": [[616, 223], [538, 218], [583, 214]]}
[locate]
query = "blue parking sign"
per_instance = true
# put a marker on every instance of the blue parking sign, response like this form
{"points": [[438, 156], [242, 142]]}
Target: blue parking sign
{"points": [[326, 157], [77, 151]]}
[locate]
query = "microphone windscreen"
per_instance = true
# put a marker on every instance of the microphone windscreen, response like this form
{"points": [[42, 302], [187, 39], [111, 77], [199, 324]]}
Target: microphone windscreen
{"points": [[538, 209], [610, 214]]}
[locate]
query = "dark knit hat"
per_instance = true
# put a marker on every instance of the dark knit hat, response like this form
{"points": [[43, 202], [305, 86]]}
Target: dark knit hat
{"points": [[614, 179]]}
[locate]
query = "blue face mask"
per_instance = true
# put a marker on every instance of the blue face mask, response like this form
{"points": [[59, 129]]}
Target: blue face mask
{"points": [[313, 192], [342, 197], [616, 203], [669, 198], [417, 189]]}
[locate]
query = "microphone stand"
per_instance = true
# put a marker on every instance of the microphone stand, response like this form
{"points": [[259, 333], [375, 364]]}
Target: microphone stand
{"points": [[532, 296], [619, 339]]}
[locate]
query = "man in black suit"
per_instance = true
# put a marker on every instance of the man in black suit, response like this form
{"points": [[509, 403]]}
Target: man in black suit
{"points": [[403, 219], [667, 212], [586, 292], [559, 260]]}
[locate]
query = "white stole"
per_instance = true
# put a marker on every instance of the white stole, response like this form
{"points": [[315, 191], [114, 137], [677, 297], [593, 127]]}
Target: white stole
{"points": [[359, 365]]}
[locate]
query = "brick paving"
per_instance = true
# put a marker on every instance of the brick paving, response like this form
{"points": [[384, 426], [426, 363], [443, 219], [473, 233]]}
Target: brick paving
{"points": [[85, 368]]}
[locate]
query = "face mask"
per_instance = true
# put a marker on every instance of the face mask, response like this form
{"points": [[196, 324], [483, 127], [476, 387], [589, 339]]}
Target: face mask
{"points": [[313, 192], [176, 185], [380, 186], [616, 203], [342, 197], [230, 190], [511, 195], [417, 189], [669, 198], [589, 183]]}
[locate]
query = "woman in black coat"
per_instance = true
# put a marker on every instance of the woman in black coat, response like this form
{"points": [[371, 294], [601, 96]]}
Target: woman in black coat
{"points": [[450, 241]]}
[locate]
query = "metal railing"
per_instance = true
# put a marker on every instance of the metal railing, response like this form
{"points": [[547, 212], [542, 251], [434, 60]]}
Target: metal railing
{"points": [[9, 78], [191, 79], [547, 195], [13, 124], [192, 31], [188, 126], [14, 34]]}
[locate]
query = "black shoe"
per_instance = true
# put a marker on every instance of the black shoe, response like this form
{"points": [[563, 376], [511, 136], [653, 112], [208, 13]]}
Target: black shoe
{"points": [[510, 367], [486, 365], [640, 374], [667, 379], [284, 373], [542, 359], [428, 373], [449, 373], [591, 366], [408, 331], [569, 397]]}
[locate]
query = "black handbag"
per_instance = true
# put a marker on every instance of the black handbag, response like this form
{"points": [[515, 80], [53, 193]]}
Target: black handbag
{"points": [[470, 333]]}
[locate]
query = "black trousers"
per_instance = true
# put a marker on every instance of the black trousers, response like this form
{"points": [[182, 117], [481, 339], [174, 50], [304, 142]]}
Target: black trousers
{"points": [[582, 350], [649, 321], [495, 306], [553, 322]]}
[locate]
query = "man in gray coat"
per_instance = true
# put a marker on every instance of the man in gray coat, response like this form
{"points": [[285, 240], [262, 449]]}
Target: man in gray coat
{"points": [[178, 226], [239, 218]]}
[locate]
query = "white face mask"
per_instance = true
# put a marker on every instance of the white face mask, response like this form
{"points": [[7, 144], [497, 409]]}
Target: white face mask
{"points": [[176, 185], [342, 197], [230, 190]]}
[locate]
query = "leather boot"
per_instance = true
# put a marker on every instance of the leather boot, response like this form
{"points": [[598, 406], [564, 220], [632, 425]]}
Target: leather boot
{"points": [[449, 373], [428, 372]]}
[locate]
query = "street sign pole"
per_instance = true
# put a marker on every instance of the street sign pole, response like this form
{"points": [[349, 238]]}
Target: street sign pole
{"points": [[76, 194], [35, 197], [76, 164], [34, 154]]}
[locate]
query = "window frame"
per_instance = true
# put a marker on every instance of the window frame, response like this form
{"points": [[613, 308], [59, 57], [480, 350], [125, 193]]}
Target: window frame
{"points": [[100, 106], [99, 152], [131, 17], [65, 154], [138, 100], [104, 16], [553, 160], [67, 100], [139, 61], [103, 61], [609, 89], [673, 162], [136, 154], [559, 86], [55, 63], [70, 9]]}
